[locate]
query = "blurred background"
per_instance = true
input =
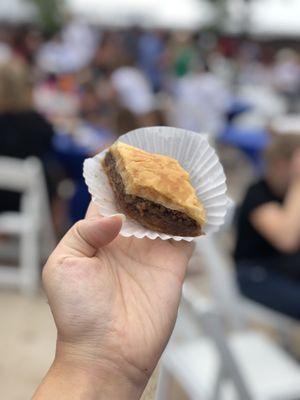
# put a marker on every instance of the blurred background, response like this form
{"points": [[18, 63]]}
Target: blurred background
{"points": [[74, 76]]}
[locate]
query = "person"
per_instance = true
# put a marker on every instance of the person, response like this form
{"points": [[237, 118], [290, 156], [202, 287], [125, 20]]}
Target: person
{"points": [[69, 50], [183, 53], [267, 251], [151, 50], [286, 77], [23, 131], [90, 133], [133, 90], [114, 301], [201, 101]]}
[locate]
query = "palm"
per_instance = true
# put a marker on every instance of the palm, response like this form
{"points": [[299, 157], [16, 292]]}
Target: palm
{"points": [[126, 299], [145, 279]]}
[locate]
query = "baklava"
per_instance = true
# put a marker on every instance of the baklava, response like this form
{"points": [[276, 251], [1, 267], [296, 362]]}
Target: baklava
{"points": [[154, 190]]}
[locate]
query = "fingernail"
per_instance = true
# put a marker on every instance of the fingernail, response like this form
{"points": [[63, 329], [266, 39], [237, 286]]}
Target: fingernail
{"points": [[122, 216]]}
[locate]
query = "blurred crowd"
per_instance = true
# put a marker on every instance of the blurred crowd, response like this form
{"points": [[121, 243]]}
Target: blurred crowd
{"points": [[66, 97]]}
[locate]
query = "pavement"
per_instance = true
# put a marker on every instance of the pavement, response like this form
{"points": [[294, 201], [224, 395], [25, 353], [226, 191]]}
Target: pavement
{"points": [[27, 345]]}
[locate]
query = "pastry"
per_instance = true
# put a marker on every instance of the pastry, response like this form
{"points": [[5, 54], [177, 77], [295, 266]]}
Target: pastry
{"points": [[154, 190]]}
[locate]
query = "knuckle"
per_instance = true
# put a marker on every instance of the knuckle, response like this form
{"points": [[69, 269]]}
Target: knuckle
{"points": [[78, 225]]}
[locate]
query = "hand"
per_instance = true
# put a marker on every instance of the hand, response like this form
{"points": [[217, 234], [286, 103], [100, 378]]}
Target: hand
{"points": [[114, 301], [295, 165]]}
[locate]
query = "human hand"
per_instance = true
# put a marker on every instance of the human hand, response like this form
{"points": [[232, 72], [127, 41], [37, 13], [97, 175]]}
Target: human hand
{"points": [[114, 301], [295, 165]]}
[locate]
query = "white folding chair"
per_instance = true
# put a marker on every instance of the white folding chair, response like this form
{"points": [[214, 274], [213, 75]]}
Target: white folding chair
{"points": [[33, 223], [235, 307], [219, 365], [232, 305]]}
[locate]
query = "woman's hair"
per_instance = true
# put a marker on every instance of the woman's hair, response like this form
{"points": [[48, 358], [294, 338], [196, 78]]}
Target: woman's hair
{"points": [[282, 147], [15, 86]]}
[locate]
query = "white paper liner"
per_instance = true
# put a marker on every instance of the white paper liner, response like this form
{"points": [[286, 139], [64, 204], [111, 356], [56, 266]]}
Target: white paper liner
{"points": [[196, 156]]}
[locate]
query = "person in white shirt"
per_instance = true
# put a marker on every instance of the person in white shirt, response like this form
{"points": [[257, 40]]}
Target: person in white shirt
{"points": [[201, 102], [286, 76], [133, 88]]}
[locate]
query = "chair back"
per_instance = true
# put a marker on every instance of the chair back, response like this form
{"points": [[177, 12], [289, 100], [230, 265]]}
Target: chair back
{"points": [[221, 276], [27, 178], [206, 315], [221, 272], [17, 175], [230, 370]]}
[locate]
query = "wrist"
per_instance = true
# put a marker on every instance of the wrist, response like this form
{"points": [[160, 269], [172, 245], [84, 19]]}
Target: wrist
{"points": [[101, 378]]}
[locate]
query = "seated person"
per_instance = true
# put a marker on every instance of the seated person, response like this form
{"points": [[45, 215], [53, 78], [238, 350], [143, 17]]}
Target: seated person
{"points": [[267, 252], [23, 131]]}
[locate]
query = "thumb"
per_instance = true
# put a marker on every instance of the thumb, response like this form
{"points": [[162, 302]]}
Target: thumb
{"points": [[88, 235]]}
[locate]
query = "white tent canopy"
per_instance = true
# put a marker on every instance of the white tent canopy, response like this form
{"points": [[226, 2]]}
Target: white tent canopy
{"points": [[16, 11], [265, 17], [164, 13], [274, 17]]}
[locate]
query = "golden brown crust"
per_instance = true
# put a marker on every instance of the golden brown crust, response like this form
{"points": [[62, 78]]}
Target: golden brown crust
{"points": [[157, 178]]}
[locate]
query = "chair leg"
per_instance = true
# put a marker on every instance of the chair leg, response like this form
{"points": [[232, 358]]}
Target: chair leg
{"points": [[29, 262], [48, 239], [163, 391]]}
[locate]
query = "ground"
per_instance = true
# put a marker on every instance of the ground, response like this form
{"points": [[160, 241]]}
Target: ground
{"points": [[27, 342]]}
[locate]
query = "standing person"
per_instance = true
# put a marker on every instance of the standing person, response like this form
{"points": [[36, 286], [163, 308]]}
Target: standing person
{"points": [[286, 77], [151, 49], [133, 90], [201, 101], [183, 53], [267, 251], [23, 131], [91, 132]]}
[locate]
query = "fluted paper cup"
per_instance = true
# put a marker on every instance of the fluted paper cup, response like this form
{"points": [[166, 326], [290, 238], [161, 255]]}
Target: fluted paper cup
{"points": [[195, 155]]}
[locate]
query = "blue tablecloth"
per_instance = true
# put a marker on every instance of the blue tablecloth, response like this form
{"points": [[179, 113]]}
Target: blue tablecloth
{"points": [[251, 142]]}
